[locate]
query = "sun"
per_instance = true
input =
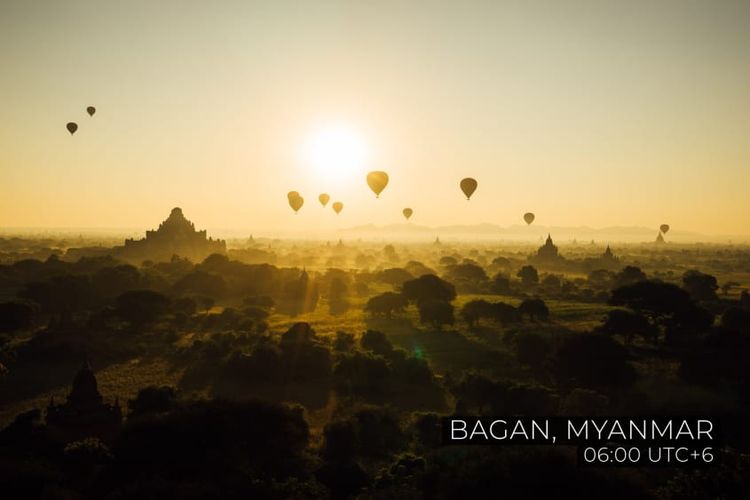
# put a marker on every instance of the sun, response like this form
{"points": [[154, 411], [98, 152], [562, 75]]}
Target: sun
{"points": [[336, 153]]}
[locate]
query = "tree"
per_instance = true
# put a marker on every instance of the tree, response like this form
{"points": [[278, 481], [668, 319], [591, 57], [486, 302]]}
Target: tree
{"points": [[482, 395], [61, 295], [201, 282], [300, 294], [141, 307], [428, 287], [628, 276], [506, 314], [363, 375], [209, 439], [416, 268], [152, 399], [338, 292], [500, 284], [552, 282], [390, 253], [185, 305], [300, 333], [467, 272], [112, 281], [665, 304], [502, 262], [377, 342], [528, 275], [394, 276], [447, 260], [737, 319], [386, 304], [340, 441], [436, 312], [719, 358], [701, 286], [205, 302], [263, 301], [600, 278], [532, 349], [256, 313], [15, 316], [628, 324], [535, 309], [475, 310], [592, 361], [343, 341]]}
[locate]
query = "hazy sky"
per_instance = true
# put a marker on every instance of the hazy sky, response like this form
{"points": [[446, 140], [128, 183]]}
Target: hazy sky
{"points": [[585, 112]]}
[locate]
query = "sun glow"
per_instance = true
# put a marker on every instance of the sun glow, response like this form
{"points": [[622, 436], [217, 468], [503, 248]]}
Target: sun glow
{"points": [[336, 153]]}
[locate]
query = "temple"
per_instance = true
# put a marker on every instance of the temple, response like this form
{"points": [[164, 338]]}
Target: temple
{"points": [[175, 236], [607, 260], [660, 238], [547, 254], [609, 257], [548, 251], [84, 414]]}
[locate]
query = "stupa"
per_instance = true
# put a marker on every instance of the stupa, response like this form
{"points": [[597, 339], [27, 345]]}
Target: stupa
{"points": [[175, 236]]}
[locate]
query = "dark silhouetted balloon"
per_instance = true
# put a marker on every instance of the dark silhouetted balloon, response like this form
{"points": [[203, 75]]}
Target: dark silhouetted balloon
{"points": [[296, 202], [337, 206], [377, 181], [91, 110], [72, 127], [407, 213], [664, 228], [323, 198], [528, 217], [468, 186]]}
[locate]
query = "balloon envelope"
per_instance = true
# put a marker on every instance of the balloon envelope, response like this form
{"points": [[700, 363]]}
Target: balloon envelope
{"points": [[377, 181], [296, 202], [528, 217], [91, 110], [407, 213], [323, 198], [337, 206], [292, 194], [664, 228], [468, 186], [72, 127]]}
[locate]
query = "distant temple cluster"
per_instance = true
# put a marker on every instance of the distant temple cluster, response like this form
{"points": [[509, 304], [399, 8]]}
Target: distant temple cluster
{"points": [[175, 236], [548, 255], [84, 414]]}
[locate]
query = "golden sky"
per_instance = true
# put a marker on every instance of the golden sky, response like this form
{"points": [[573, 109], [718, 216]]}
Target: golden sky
{"points": [[595, 113]]}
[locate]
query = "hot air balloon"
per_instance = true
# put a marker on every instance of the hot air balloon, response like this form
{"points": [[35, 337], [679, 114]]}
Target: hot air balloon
{"points": [[72, 127], [337, 206], [296, 202], [91, 110], [377, 181], [292, 194], [664, 228], [323, 198], [407, 213], [468, 186], [528, 217]]}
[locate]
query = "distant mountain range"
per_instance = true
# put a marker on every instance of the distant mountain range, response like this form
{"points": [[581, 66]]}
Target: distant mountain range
{"points": [[518, 232]]}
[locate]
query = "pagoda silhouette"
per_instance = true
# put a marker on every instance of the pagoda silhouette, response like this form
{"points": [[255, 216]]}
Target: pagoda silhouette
{"points": [[84, 414], [175, 236], [547, 254]]}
